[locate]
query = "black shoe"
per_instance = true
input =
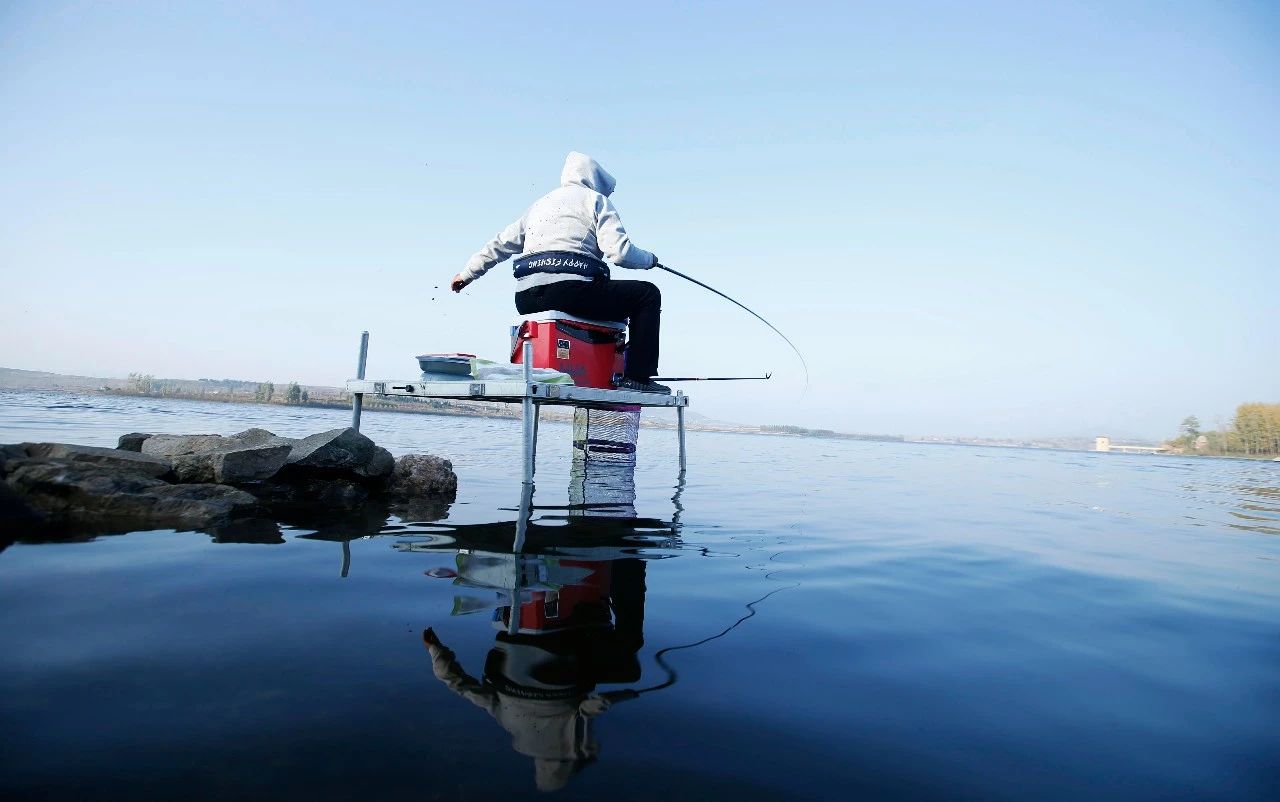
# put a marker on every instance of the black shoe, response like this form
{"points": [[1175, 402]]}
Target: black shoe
{"points": [[637, 386]]}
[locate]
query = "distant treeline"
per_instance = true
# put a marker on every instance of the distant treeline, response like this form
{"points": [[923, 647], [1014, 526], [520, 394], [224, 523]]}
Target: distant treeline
{"points": [[1253, 432], [800, 431], [220, 389], [294, 394]]}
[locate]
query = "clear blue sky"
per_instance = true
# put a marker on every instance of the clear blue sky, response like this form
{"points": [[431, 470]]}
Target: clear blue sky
{"points": [[973, 218]]}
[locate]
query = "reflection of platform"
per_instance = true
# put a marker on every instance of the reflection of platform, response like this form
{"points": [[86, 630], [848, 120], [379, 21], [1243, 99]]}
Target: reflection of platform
{"points": [[560, 535], [530, 394]]}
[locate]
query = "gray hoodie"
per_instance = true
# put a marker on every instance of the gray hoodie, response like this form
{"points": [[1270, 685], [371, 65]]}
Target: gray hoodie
{"points": [[576, 217]]}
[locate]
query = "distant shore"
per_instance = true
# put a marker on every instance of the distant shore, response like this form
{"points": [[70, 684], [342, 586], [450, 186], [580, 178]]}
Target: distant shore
{"points": [[240, 391]]}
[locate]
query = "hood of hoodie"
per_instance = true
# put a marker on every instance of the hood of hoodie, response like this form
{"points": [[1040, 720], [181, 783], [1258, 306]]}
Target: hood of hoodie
{"points": [[581, 169]]}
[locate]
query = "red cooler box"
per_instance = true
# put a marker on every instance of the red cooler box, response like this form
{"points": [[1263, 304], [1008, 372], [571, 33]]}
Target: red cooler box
{"points": [[590, 351]]}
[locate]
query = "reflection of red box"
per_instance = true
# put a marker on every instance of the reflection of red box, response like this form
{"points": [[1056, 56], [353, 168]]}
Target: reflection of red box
{"points": [[590, 352], [543, 611]]}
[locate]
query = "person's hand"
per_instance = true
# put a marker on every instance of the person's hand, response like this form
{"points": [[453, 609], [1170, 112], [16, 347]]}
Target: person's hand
{"points": [[656, 263], [458, 283], [429, 637]]}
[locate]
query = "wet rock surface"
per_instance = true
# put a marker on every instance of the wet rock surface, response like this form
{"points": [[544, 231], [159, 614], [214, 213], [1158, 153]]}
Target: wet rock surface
{"points": [[108, 458], [341, 451], [418, 476], [14, 508], [175, 445], [305, 494], [237, 488], [131, 441], [232, 464], [75, 492], [10, 451]]}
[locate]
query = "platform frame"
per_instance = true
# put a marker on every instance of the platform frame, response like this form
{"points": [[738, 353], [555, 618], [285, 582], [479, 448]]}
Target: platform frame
{"points": [[530, 394]]}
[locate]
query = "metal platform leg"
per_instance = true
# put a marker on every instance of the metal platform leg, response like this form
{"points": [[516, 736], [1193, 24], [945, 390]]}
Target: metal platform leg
{"points": [[537, 416], [357, 399], [530, 417], [517, 561], [522, 519], [680, 428]]}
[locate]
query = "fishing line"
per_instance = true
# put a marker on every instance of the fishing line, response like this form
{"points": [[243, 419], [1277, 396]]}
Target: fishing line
{"points": [[753, 313], [671, 672]]}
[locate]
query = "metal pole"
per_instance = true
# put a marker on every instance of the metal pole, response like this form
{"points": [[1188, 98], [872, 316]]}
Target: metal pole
{"points": [[513, 620], [517, 559], [522, 519], [537, 416], [675, 502], [680, 427], [530, 432], [346, 558], [357, 399]]}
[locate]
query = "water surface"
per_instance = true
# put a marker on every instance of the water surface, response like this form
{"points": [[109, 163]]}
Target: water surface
{"points": [[801, 619]]}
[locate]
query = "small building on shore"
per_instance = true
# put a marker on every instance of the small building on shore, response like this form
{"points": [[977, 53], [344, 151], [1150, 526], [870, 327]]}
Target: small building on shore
{"points": [[1103, 443]]}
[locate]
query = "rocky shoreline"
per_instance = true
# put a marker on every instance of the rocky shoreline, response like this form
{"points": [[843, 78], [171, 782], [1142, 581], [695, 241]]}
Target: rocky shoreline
{"points": [[238, 487]]}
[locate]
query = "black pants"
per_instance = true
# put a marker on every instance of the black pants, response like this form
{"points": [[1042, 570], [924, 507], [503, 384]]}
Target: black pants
{"points": [[638, 302]]}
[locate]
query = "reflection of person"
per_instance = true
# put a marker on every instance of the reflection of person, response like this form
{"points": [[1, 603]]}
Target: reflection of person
{"points": [[562, 244], [539, 683]]}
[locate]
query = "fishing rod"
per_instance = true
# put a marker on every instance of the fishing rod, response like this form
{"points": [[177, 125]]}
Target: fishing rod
{"points": [[752, 312], [712, 378]]}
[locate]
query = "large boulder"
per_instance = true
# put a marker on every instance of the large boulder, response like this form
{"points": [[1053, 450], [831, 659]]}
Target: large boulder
{"points": [[250, 456], [132, 441], [232, 464], [260, 437], [423, 476], [107, 458], [341, 452], [89, 494], [176, 445], [10, 451]]}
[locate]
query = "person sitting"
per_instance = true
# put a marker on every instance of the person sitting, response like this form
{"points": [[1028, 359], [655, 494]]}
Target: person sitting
{"points": [[563, 246]]}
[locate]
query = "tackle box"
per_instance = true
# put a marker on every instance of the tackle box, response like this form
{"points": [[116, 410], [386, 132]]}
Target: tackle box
{"points": [[590, 351]]}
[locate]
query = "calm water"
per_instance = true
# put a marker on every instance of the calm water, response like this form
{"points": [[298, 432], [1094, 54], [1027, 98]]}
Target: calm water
{"points": [[802, 620]]}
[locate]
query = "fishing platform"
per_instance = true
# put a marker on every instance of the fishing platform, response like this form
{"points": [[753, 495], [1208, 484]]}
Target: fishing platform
{"points": [[531, 394]]}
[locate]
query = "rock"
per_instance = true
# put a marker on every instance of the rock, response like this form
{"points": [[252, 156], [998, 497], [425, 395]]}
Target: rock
{"points": [[311, 494], [132, 441], [10, 451], [175, 445], [382, 465], [89, 494], [15, 512], [260, 437], [341, 451], [337, 494], [420, 477], [232, 465], [108, 458]]}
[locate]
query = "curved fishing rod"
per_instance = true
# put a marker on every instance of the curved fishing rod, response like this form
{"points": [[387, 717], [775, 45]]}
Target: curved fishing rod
{"points": [[753, 313]]}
